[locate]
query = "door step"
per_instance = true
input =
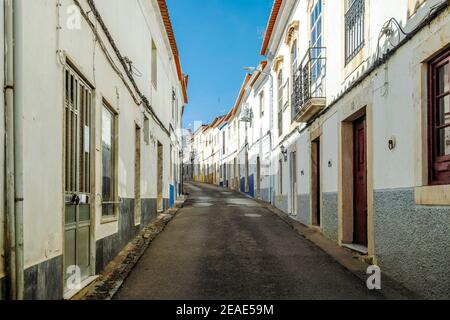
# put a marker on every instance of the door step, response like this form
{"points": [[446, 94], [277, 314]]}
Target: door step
{"points": [[85, 286], [356, 247]]}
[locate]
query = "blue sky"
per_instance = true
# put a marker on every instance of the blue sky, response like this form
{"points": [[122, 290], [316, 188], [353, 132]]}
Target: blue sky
{"points": [[216, 39]]}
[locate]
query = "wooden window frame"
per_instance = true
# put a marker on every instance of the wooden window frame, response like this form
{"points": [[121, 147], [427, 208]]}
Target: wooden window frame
{"points": [[433, 158]]}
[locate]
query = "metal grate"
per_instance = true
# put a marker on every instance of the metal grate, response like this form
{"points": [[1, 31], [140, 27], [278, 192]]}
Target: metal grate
{"points": [[354, 29], [309, 79]]}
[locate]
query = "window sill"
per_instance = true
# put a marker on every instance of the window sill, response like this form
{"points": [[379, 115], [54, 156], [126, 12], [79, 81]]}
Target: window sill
{"points": [[106, 220], [69, 295], [357, 248], [433, 195], [356, 62]]}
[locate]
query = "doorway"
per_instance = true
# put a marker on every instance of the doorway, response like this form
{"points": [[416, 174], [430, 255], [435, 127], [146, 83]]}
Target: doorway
{"points": [[247, 173], [236, 175], [316, 194], [294, 183], [159, 178], [360, 182], [78, 174], [258, 177], [137, 176]]}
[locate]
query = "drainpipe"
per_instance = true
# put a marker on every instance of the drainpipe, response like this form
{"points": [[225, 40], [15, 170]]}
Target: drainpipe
{"points": [[14, 168]]}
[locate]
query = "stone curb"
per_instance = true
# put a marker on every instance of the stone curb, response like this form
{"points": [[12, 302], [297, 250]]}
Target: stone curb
{"points": [[117, 271]]}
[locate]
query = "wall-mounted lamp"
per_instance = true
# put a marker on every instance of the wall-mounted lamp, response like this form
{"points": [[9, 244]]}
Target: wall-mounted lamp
{"points": [[284, 152], [392, 143]]}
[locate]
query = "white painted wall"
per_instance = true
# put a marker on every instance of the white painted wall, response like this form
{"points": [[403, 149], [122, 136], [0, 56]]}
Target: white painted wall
{"points": [[2, 147], [41, 94]]}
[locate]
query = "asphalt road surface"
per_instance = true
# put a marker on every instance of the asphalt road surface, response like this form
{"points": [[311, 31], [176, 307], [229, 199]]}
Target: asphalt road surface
{"points": [[222, 245]]}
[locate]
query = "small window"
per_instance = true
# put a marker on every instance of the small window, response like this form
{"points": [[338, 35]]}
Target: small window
{"points": [[280, 102], [316, 42], [354, 28], [280, 90], [294, 62], [223, 142], [146, 130], [439, 120], [261, 103], [109, 163], [154, 65], [294, 57]]}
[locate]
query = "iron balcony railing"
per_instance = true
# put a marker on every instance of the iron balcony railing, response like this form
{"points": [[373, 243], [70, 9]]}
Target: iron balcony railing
{"points": [[309, 79], [354, 29]]}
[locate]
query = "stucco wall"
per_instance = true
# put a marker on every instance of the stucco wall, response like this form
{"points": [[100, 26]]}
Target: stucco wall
{"points": [[2, 150], [43, 110], [412, 242]]}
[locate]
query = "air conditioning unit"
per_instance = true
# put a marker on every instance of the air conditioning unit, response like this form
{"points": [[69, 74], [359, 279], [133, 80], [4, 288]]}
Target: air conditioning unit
{"points": [[246, 114]]}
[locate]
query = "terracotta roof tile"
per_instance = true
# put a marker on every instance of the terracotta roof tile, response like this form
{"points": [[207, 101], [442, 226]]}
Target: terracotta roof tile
{"points": [[270, 26], [173, 44]]}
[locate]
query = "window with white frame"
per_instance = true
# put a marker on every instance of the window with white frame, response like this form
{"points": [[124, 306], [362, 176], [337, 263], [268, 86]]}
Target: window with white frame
{"points": [[280, 102], [261, 103], [280, 90], [316, 41], [154, 71], [294, 58]]}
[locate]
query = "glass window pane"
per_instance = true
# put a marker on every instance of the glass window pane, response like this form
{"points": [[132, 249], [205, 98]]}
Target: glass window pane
{"points": [[443, 112], [107, 210], [70, 214], [444, 142], [85, 212], [442, 79], [107, 154]]}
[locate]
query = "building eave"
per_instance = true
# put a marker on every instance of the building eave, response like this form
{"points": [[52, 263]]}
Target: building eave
{"points": [[173, 44], [271, 25]]}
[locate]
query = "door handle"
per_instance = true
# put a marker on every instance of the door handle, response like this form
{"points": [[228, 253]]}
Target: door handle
{"points": [[76, 199]]}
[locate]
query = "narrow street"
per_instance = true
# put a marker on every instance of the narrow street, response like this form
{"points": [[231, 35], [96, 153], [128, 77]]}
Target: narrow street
{"points": [[222, 245]]}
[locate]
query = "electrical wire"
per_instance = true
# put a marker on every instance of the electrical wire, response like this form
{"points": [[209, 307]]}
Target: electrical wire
{"points": [[387, 30], [138, 98]]}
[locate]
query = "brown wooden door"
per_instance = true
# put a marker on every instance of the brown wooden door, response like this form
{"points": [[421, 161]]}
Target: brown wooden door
{"points": [[360, 183], [316, 192], [258, 177]]}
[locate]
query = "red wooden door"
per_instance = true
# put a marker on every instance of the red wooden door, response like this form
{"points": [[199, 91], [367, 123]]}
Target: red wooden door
{"points": [[360, 183]]}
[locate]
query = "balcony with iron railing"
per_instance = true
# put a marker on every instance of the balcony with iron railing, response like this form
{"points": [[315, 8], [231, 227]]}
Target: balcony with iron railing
{"points": [[309, 96]]}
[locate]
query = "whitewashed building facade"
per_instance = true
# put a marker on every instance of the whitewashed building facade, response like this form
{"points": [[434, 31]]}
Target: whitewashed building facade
{"points": [[98, 96], [345, 126]]}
